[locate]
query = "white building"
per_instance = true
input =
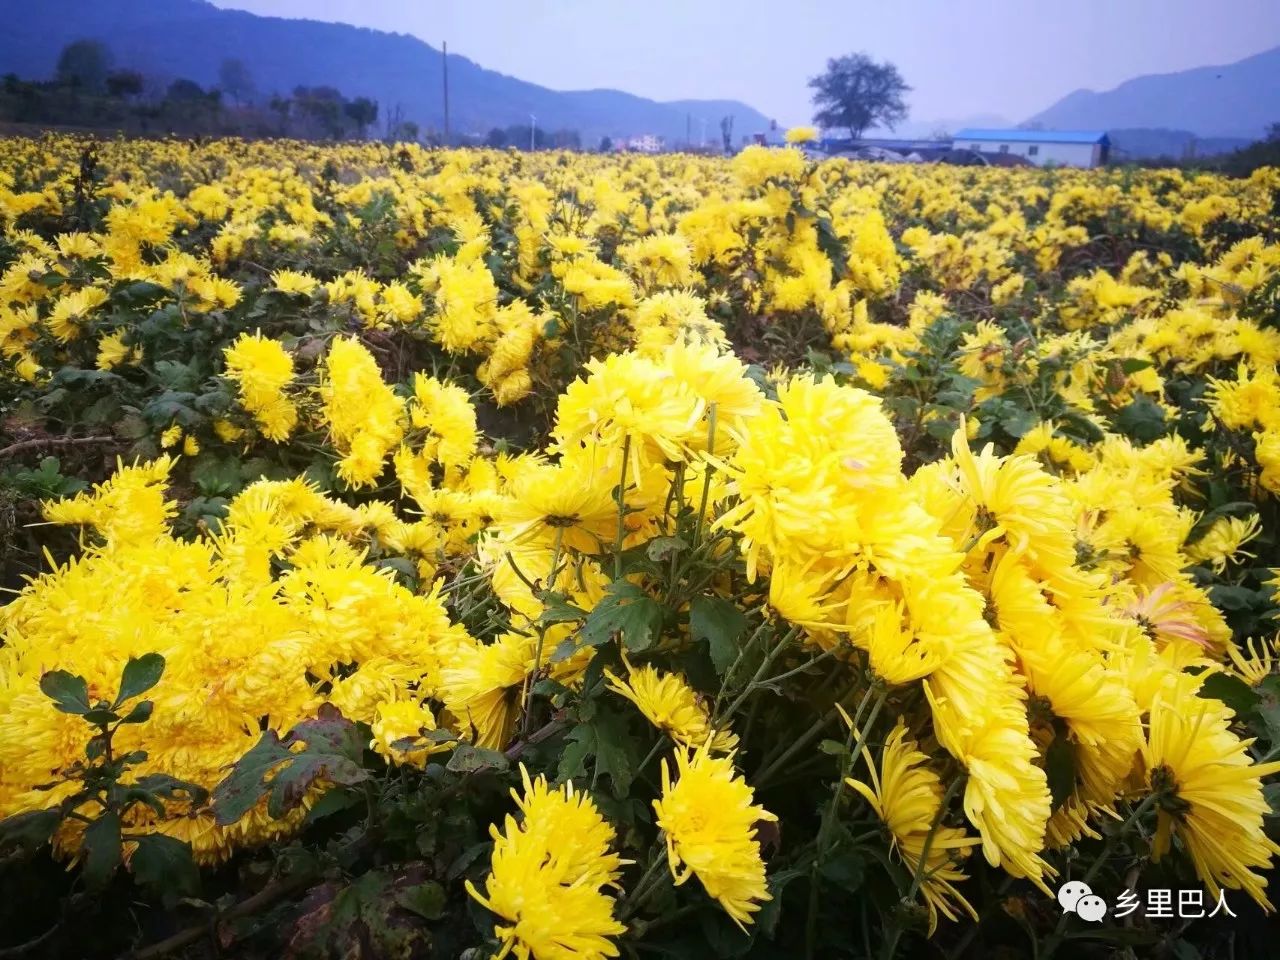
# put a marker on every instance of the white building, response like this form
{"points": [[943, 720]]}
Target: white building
{"points": [[1065, 148], [647, 143]]}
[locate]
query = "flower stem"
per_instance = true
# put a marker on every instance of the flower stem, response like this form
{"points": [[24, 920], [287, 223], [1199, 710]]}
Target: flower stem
{"points": [[1055, 939], [918, 877], [708, 471], [829, 815], [771, 766], [622, 510], [647, 884], [532, 679]]}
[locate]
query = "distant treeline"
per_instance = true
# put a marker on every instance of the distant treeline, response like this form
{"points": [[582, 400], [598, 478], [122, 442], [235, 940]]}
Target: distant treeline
{"points": [[1240, 162], [89, 92]]}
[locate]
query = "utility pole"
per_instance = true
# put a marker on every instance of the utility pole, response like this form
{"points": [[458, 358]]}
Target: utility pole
{"points": [[533, 127], [444, 59]]}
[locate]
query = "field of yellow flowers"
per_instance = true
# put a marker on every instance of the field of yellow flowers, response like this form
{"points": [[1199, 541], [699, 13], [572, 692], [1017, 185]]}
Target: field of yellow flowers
{"points": [[421, 553]]}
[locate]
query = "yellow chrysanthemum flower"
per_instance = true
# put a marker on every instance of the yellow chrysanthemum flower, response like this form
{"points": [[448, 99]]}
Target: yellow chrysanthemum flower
{"points": [[262, 369], [1208, 791], [364, 416], [670, 704], [546, 877], [401, 720], [1223, 543], [1258, 663], [481, 687], [907, 796], [709, 817]]}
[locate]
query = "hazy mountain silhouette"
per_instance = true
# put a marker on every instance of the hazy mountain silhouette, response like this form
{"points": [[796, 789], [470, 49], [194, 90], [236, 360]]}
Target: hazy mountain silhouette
{"points": [[191, 38], [1236, 100]]}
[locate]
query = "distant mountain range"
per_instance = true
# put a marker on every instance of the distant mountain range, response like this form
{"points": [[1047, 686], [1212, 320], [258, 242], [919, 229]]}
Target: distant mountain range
{"points": [[191, 38], [1238, 100], [1204, 110]]}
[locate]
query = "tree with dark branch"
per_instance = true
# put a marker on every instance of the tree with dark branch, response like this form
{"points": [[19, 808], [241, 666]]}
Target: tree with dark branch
{"points": [[857, 93], [125, 84], [235, 80], [322, 108], [84, 64], [363, 112]]}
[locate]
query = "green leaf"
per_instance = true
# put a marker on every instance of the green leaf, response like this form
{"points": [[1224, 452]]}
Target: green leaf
{"points": [[105, 410], [660, 549], [1141, 420], [1271, 793], [1269, 708], [176, 376], [723, 936], [832, 246], [722, 625], [1232, 691], [69, 693], [1060, 769], [626, 611], [333, 753], [30, 830], [101, 847], [466, 859], [141, 712], [139, 292], [580, 745], [941, 429], [557, 609], [164, 864], [1132, 365], [216, 475], [469, 759], [406, 571], [1018, 421], [1228, 597], [1080, 427], [163, 785], [140, 675], [244, 786], [607, 740], [771, 910], [845, 870], [427, 900], [335, 801], [131, 427]]}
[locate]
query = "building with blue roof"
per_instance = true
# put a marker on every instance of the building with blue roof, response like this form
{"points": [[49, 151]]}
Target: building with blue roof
{"points": [[1064, 148]]}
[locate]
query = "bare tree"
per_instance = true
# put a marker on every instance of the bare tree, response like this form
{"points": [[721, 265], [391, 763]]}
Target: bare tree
{"points": [[857, 93]]}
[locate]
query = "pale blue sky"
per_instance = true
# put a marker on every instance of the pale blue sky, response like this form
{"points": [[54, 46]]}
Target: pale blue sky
{"points": [[963, 57]]}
